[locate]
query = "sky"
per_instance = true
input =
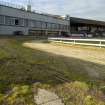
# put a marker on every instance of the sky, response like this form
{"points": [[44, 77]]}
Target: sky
{"points": [[92, 9]]}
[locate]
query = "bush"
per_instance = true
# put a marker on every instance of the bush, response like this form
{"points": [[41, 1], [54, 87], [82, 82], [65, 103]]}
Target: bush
{"points": [[77, 93], [80, 85], [102, 88], [3, 87], [1, 98], [89, 100], [21, 95]]}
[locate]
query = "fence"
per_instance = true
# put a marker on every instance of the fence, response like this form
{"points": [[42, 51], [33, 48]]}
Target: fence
{"points": [[11, 5], [88, 42]]}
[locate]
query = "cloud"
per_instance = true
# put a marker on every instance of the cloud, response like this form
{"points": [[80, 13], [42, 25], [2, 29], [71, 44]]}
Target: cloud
{"points": [[93, 9]]}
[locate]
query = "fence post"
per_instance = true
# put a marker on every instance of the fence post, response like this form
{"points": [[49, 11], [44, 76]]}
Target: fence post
{"points": [[74, 41], [100, 44]]}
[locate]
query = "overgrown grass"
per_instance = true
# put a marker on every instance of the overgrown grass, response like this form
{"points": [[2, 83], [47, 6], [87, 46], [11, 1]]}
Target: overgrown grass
{"points": [[24, 66]]}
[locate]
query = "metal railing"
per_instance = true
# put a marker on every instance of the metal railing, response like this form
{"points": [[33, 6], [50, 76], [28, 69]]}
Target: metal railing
{"points": [[88, 42], [11, 5]]}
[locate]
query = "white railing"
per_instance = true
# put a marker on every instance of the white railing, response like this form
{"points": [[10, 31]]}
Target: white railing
{"points": [[88, 42]]}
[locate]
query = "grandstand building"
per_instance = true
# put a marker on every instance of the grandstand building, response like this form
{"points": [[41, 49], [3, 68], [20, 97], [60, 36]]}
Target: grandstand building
{"points": [[85, 27], [15, 20]]}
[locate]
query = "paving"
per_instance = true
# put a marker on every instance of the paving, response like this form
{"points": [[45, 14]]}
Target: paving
{"points": [[45, 97]]}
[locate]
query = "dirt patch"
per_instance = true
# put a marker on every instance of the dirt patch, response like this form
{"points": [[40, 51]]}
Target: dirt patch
{"points": [[85, 54], [94, 56]]}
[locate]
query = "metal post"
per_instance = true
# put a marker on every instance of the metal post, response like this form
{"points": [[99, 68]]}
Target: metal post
{"points": [[100, 44], [59, 33], [46, 32], [74, 42]]}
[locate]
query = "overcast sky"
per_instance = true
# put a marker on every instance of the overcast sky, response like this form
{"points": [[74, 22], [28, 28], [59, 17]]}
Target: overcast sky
{"points": [[93, 9]]}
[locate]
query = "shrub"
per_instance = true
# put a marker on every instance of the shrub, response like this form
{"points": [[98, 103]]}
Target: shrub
{"points": [[3, 86], [1, 98], [21, 95], [80, 85], [102, 88], [77, 93]]}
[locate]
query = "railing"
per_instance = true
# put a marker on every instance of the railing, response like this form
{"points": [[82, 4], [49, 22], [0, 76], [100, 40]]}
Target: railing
{"points": [[8, 4], [11, 5], [88, 42]]}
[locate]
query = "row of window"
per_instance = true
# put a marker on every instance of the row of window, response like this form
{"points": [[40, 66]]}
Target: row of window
{"points": [[31, 23]]}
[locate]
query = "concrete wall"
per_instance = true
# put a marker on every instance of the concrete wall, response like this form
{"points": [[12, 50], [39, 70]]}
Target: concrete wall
{"points": [[8, 30]]}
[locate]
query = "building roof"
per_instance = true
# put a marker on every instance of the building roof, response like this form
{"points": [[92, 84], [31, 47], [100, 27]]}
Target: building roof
{"points": [[22, 8], [75, 20]]}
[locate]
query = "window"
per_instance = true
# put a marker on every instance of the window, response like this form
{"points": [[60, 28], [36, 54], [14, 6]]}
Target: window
{"points": [[62, 26], [16, 22], [56, 26], [44, 25], [67, 27], [1, 19], [26, 22], [29, 23], [9, 21], [49, 25], [59, 26], [19, 21], [38, 24], [53, 26], [32, 23]]}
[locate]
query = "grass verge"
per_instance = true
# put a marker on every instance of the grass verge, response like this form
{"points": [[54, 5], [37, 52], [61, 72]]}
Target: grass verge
{"points": [[23, 66]]}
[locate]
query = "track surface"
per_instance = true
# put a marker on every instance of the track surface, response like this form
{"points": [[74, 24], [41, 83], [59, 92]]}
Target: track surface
{"points": [[95, 55]]}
